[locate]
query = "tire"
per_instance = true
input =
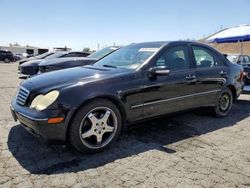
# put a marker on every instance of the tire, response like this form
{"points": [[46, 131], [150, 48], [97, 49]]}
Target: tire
{"points": [[6, 60], [98, 120], [224, 103]]}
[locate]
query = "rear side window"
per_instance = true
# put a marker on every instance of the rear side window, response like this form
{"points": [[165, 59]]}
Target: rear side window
{"points": [[205, 58], [175, 58]]}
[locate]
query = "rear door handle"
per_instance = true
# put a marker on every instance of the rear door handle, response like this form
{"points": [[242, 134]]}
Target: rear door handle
{"points": [[190, 77], [223, 73]]}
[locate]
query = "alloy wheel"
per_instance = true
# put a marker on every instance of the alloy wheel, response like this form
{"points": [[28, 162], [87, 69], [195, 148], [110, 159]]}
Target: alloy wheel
{"points": [[224, 102], [98, 127]]}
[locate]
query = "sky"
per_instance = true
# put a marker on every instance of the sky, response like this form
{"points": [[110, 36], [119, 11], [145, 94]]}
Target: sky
{"points": [[87, 23]]}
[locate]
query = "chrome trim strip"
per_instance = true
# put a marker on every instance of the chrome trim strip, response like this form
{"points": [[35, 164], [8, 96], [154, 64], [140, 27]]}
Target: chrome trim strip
{"points": [[24, 89], [174, 98], [31, 118]]}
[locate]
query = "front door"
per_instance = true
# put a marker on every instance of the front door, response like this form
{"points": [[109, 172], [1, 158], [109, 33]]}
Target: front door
{"points": [[173, 92]]}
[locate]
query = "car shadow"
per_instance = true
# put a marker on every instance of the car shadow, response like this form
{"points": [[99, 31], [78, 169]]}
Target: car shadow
{"points": [[158, 134]]}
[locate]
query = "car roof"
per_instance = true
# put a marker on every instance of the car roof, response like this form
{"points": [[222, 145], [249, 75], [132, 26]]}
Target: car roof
{"points": [[161, 43]]}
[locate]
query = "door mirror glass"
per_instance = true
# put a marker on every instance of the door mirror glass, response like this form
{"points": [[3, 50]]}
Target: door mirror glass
{"points": [[158, 71]]}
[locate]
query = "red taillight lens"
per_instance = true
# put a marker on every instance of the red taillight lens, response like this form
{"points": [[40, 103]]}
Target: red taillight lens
{"points": [[241, 75]]}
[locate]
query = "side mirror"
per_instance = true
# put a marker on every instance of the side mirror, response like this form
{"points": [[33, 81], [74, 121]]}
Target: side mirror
{"points": [[158, 71]]}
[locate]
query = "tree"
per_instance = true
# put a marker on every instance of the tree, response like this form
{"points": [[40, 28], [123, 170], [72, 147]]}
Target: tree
{"points": [[86, 49]]}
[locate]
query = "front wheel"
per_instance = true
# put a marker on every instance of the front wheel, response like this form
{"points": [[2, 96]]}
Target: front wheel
{"points": [[95, 127], [6, 60], [224, 103]]}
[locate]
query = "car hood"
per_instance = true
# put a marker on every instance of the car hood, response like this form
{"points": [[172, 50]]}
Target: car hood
{"points": [[27, 59], [32, 63], [58, 61], [71, 76]]}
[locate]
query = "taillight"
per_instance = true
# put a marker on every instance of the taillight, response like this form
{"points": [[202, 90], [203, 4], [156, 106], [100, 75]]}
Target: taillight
{"points": [[241, 75]]}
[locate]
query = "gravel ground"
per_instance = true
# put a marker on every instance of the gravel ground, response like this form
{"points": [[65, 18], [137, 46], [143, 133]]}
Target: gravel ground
{"points": [[187, 150]]}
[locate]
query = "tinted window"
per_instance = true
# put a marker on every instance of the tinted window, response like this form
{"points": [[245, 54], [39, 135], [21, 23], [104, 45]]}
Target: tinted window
{"points": [[71, 55], [56, 55], [175, 58], [75, 54], [205, 57]]}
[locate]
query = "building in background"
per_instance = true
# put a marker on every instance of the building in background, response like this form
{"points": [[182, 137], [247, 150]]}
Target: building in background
{"points": [[18, 49]]}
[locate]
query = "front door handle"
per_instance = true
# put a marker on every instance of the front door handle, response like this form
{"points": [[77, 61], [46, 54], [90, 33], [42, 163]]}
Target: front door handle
{"points": [[190, 77]]}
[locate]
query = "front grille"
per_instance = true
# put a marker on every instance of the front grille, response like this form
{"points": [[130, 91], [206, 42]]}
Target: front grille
{"points": [[22, 96]]}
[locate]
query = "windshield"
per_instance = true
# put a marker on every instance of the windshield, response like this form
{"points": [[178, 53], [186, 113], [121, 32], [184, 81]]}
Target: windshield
{"points": [[129, 57], [232, 58], [44, 55], [56, 55], [103, 52]]}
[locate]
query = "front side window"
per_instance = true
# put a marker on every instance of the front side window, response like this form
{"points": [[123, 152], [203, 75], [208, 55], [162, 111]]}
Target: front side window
{"points": [[205, 58], [175, 58], [129, 57]]}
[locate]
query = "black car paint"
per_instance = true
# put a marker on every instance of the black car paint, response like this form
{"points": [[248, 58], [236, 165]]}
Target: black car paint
{"points": [[40, 56], [7, 54], [32, 67], [137, 96], [63, 63]]}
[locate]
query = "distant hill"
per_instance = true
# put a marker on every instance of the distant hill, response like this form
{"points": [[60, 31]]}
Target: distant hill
{"points": [[229, 48]]}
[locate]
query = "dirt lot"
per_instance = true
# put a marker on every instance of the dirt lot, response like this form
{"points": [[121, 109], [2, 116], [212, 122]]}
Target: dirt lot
{"points": [[188, 150]]}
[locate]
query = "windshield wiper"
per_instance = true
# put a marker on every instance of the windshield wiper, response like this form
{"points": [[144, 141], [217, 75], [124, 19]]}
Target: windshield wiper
{"points": [[111, 66]]}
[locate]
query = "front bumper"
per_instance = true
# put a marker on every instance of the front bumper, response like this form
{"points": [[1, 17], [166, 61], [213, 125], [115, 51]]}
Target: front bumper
{"points": [[28, 70], [37, 123]]}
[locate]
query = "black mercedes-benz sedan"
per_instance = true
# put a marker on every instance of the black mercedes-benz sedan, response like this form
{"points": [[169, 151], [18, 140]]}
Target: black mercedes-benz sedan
{"points": [[30, 68], [49, 65], [88, 106]]}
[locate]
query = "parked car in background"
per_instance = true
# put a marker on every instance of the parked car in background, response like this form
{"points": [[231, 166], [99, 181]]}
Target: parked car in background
{"points": [[88, 106], [40, 56], [17, 57], [6, 56], [30, 68], [49, 65], [243, 60]]}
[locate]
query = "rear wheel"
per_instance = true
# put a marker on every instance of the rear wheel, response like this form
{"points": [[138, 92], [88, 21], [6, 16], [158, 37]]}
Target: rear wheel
{"points": [[6, 60], [95, 127], [224, 103]]}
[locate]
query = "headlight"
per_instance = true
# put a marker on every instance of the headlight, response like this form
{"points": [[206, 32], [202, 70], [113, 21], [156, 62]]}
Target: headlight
{"points": [[42, 102]]}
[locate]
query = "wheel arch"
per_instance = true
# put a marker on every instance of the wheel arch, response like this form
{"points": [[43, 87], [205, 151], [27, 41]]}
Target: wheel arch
{"points": [[112, 99], [233, 90]]}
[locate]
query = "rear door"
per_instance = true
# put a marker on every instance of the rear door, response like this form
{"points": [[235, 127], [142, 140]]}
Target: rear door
{"points": [[211, 74]]}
